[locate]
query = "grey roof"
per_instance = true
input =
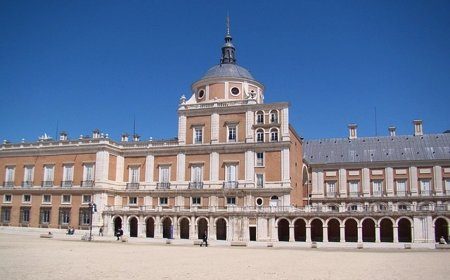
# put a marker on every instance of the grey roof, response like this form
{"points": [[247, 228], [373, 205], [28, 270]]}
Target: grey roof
{"points": [[377, 149], [228, 71]]}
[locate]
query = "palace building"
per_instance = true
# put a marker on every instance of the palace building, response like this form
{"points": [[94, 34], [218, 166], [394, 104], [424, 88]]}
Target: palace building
{"points": [[238, 171]]}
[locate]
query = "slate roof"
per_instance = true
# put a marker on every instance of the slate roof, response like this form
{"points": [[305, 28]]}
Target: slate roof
{"points": [[377, 149], [228, 71]]}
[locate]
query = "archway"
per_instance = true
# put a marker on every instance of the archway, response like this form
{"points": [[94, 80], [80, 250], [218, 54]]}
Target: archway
{"points": [[283, 230], [202, 227], [368, 230], [386, 231], [184, 228], [167, 228], [317, 230], [117, 224], [404, 230], [351, 231], [440, 229], [150, 228], [334, 231], [221, 229], [300, 230], [133, 222]]}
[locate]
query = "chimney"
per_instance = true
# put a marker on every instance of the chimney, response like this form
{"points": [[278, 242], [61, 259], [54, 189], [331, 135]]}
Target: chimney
{"points": [[418, 130], [63, 136], [136, 137], [352, 133], [96, 133], [391, 131], [124, 137]]}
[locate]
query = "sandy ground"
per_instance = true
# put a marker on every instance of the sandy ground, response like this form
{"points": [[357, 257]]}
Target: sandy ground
{"points": [[31, 257]]}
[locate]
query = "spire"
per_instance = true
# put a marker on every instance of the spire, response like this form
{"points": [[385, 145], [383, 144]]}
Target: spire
{"points": [[228, 50]]}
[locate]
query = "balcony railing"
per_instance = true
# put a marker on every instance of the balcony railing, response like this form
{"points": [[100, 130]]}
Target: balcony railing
{"points": [[402, 193], [163, 185], [196, 185], [354, 194], [66, 184], [8, 184], [87, 184], [47, 184], [132, 186], [377, 193], [27, 184], [331, 194], [230, 185], [426, 193]]}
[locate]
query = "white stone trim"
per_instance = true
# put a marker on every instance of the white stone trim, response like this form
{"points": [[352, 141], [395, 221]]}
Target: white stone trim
{"points": [[149, 166], [366, 181], [389, 180], [182, 129], [214, 128], [181, 163], [120, 168], [413, 179], [437, 178], [285, 165], [342, 181], [250, 166], [214, 167]]}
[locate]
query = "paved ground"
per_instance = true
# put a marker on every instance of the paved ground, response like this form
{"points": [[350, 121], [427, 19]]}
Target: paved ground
{"points": [[26, 256]]}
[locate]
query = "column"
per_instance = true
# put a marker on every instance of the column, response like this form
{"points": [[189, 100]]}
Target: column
{"points": [[192, 235], [274, 229], [325, 233], [211, 229], [395, 230], [141, 226], [157, 227], [149, 166], [360, 233], [377, 234], [308, 233], [413, 180], [342, 233], [175, 233], [291, 233], [437, 180]]}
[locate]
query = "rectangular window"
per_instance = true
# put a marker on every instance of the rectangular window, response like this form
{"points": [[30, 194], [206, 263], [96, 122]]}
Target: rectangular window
{"points": [[7, 198], [85, 216], [88, 172], [163, 201], [447, 186], [260, 118], [198, 135], [46, 199], [231, 200], [232, 133], [9, 176], [331, 188], [164, 174], [132, 200], [353, 188], [26, 198], [48, 173], [134, 174], [68, 172], [377, 187], [87, 198], [24, 215], [6, 214], [45, 215], [260, 135], [260, 159], [196, 201], [425, 187], [230, 172], [28, 174], [66, 199], [197, 173], [259, 180], [274, 135], [64, 216], [401, 187]]}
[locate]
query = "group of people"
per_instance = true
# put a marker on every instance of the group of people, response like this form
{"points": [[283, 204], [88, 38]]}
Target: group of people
{"points": [[70, 231]]}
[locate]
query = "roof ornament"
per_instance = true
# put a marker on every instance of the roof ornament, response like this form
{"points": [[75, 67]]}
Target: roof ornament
{"points": [[228, 50]]}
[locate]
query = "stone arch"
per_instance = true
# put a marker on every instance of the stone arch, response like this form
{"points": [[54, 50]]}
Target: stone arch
{"points": [[440, 225], [316, 229], [149, 227], [351, 229], [184, 226], [283, 229], [299, 229], [221, 228], [368, 225], [386, 229], [167, 227], [202, 226], [117, 221], [133, 226], [404, 228], [334, 229]]}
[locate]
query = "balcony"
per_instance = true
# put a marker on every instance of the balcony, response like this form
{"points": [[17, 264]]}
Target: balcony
{"points": [[8, 184], [377, 193], [331, 194], [27, 184], [230, 185], [66, 184], [47, 184], [87, 184], [132, 186], [163, 185], [354, 194], [402, 193], [426, 193], [195, 185]]}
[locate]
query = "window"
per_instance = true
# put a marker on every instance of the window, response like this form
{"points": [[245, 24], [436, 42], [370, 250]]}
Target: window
{"points": [[28, 176], [401, 187], [6, 214], [273, 135], [48, 174], [377, 187], [260, 118], [260, 135], [46, 198], [353, 188], [425, 187], [197, 173], [230, 172], [232, 133], [87, 198], [447, 186], [163, 201], [331, 188], [353, 207], [259, 201], [7, 198], [260, 159], [64, 216], [196, 201], [134, 174], [88, 172], [132, 200], [26, 198], [45, 215], [164, 174], [235, 91], [402, 207], [198, 135], [85, 216], [231, 200], [259, 180], [65, 199], [201, 94], [24, 215], [9, 176], [68, 173], [273, 116]]}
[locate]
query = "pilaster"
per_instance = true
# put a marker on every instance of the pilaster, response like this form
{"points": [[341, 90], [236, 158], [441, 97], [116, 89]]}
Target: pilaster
{"points": [[215, 128], [101, 165], [389, 181], [214, 167], [413, 180], [149, 166], [343, 182], [182, 129], [437, 180], [366, 181], [249, 121], [181, 162]]}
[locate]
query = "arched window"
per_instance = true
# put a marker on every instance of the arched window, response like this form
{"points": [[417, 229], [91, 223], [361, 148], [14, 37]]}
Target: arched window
{"points": [[274, 135], [273, 116], [260, 117], [260, 135]]}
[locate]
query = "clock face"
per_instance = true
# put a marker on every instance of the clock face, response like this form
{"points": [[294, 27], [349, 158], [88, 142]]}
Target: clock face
{"points": [[235, 91], [201, 94]]}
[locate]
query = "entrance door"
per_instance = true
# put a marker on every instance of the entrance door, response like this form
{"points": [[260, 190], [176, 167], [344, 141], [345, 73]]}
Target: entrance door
{"points": [[252, 233]]}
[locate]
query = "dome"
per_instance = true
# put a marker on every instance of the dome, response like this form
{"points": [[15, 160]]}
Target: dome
{"points": [[229, 71]]}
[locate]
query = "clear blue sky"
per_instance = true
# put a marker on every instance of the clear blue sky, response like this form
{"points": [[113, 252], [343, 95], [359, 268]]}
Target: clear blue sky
{"points": [[96, 64]]}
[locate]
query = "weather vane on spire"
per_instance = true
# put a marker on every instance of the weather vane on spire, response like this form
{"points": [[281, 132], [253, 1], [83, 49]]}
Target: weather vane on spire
{"points": [[228, 24]]}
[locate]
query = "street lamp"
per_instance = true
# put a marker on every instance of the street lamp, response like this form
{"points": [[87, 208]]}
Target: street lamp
{"points": [[92, 209]]}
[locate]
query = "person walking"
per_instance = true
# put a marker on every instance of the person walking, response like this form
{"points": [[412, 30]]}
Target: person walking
{"points": [[100, 231], [205, 239]]}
